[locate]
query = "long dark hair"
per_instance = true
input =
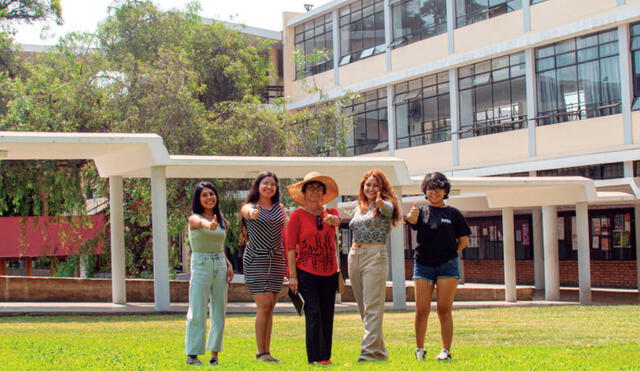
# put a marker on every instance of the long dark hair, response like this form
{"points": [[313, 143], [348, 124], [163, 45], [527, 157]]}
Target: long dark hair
{"points": [[252, 198], [197, 208]]}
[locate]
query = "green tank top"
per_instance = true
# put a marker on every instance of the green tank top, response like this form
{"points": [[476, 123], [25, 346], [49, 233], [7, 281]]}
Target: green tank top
{"points": [[206, 240]]}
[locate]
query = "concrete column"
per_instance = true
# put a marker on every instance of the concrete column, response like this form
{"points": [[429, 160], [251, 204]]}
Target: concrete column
{"points": [[526, 16], [160, 238], [538, 248], [335, 33], [391, 122], [532, 109], [627, 169], [451, 25], [28, 267], [454, 99], [626, 85], [551, 260], [584, 258], [388, 36], [116, 208], [82, 267], [397, 261], [509, 251], [636, 218]]}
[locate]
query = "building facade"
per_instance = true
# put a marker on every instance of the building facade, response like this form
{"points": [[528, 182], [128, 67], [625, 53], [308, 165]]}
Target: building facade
{"points": [[491, 88]]}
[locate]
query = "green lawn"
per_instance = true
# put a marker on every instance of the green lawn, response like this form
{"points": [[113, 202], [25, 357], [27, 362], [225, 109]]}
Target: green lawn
{"points": [[566, 337]]}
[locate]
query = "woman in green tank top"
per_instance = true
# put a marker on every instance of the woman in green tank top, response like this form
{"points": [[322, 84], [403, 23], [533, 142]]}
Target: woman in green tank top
{"points": [[211, 273]]}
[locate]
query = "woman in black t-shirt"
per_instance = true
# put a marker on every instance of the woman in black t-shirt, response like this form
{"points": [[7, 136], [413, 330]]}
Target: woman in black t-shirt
{"points": [[442, 234]]}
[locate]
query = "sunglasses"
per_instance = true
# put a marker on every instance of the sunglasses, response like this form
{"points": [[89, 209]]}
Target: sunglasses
{"points": [[319, 223]]}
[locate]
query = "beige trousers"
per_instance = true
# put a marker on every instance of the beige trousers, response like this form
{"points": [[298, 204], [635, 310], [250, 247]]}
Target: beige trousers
{"points": [[368, 274]]}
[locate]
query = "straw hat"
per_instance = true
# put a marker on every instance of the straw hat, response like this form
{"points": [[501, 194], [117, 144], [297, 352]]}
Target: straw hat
{"points": [[295, 190]]}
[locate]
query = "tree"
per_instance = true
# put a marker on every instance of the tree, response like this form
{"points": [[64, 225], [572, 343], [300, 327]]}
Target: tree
{"points": [[30, 10]]}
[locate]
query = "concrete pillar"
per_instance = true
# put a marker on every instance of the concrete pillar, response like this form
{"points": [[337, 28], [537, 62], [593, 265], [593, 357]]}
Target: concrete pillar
{"points": [[397, 261], [551, 260], [160, 238], [388, 36], [627, 169], [451, 25], [626, 85], [391, 122], [526, 16], [116, 219], [82, 267], [636, 218], [454, 99], [335, 33], [538, 248], [532, 109], [509, 252], [584, 255]]}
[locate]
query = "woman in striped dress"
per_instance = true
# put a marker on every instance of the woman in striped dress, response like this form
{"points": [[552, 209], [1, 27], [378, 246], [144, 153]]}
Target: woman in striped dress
{"points": [[263, 221]]}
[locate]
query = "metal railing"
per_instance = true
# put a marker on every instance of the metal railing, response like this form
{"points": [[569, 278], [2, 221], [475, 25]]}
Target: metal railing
{"points": [[574, 112], [493, 126]]}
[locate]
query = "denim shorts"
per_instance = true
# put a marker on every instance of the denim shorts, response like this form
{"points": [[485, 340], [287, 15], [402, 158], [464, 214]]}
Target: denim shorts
{"points": [[448, 269]]}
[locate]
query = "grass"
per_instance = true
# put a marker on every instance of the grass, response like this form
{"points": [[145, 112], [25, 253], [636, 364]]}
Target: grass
{"points": [[538, 338]]}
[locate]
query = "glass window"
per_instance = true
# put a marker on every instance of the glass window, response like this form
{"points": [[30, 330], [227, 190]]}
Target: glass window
{"points": [[370, 124], [361, 30], [600, 171], [533, 2], [578, 78], [314, 42], [415, 20], [472, 11], [486, 242], [422, 111], [492, 96], [635, 58]]}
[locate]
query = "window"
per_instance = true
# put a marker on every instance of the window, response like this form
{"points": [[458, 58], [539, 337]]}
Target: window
{"points": [[369, 124], [636, 168], [472, 11], [578, 78], [414, 20], [486, 243], [311, 38], [602, 171], [534, 2], [422, 111], [493, 96], [635, 58], [361, 30], [611, 234]]}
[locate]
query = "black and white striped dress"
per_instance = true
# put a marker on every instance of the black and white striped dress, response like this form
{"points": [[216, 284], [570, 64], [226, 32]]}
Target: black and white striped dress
{"points": [[264, 261]]}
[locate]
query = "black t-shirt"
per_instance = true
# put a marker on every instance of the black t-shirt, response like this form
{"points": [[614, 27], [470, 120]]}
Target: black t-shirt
{"points": [[438, 234]]}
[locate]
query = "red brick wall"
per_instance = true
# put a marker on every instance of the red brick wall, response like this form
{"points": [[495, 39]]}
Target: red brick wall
{"points": [[604, 273]]}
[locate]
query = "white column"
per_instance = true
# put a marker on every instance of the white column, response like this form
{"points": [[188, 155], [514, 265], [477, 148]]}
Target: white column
{"points": [[627, 169], [584, 259], [388, 36], [538, 248], [335, 33], [619, 2], [509, 252], [454, 98], [160, 238], [451, 25], [391, 122], [626, 85], [397, 261], [636, 217], [551, 261], [116, 218], [532, 110], [82, 263]]}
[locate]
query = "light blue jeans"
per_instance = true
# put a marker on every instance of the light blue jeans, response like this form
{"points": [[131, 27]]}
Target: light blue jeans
{"points": [[208, 283]]}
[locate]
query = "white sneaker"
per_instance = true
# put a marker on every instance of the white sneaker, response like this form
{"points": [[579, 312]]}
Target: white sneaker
{"points": [[444, 355], [421, 354]]}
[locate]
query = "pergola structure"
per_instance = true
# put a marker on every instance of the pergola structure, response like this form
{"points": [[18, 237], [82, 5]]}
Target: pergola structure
{"points": [[145, 156]]}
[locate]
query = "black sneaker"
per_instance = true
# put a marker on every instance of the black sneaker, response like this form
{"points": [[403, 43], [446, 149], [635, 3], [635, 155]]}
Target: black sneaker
{"points": [[193, 361], [214, 362]]}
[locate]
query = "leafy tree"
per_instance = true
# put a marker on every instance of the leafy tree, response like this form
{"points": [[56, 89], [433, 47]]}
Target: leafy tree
{"points": [[30, 10]]}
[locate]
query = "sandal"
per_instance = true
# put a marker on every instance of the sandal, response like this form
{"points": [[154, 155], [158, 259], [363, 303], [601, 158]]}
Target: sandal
{"points": [[267, 357]]}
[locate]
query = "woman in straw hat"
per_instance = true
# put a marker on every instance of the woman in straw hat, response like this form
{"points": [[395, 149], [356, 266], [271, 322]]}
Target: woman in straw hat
{"points": [[313, 268], [263, 227], [376, 211]]}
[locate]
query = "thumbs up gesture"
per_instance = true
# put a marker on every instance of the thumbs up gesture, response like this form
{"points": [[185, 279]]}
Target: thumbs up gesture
{"points": [[255, 213], [214, 223], [379, 202], [332, 220], [414, 212]]}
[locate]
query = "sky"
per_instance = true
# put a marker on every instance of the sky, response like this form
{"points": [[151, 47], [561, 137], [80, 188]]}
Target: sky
{"points": [[84, 16]]}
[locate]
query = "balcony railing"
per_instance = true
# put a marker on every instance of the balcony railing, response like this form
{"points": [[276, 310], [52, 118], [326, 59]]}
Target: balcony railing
{"points": [[574, 112], [493, 126]]}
